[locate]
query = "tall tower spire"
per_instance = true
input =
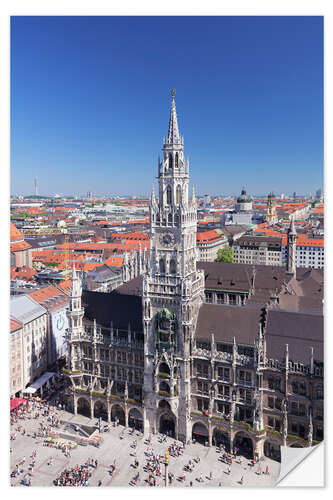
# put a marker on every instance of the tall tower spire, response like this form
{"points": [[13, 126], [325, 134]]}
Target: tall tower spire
{"points": [[173, 133]]}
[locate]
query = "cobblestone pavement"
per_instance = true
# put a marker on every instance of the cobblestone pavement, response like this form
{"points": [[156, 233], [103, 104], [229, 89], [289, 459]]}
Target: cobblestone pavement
{"points": [[114, 448]]}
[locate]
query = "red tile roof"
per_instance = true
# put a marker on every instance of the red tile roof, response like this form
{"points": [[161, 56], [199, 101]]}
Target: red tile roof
{"points": [[19, 246], [114, 261], [15, 325], [51, 297], [208, 236], [15, 234], [22, 273], [65, 286]]}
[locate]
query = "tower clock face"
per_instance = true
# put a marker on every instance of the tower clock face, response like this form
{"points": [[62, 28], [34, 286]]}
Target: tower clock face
{"points": [[167, 239]]}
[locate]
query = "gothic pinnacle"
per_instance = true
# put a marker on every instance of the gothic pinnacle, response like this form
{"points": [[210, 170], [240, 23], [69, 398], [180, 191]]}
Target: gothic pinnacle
{"points": [[173, 133]]}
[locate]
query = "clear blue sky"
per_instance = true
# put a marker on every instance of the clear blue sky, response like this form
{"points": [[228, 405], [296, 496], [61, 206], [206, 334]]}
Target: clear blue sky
{"points": [[90, 99]]}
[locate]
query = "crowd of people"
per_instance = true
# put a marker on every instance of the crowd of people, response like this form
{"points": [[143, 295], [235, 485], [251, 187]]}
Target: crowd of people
{"points": [[77, 476]]}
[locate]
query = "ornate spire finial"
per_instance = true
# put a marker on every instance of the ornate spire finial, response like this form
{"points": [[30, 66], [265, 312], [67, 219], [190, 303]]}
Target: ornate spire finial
{"points": [[173, 93]]}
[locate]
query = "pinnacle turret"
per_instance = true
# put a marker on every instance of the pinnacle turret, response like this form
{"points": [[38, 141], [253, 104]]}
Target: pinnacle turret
{"points": [[292, 229]]}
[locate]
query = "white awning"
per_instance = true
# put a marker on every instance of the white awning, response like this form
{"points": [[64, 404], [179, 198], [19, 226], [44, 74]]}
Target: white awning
{"points": [[38, 383], [29, 390]]}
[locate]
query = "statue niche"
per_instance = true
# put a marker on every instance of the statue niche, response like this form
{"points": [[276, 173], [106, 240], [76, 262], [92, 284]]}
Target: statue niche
{"points": [[165, 329]]}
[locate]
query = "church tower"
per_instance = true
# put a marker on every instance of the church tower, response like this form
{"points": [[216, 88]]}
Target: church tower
{"points": [[271, 208], [173, 291], [291, 248]]}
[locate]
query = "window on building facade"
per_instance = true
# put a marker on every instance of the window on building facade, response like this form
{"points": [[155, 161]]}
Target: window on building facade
{"points": [[319, 413], [202, 370], [162, 266], [232, 299], [202, 387], [178, 194], [320, 392], [223, 408], [220, 298], [299, 387], [223, 373], [172, 266], [169, 196], [245, 377]]}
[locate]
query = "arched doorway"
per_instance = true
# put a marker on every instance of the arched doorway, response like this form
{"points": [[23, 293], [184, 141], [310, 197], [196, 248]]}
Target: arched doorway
{"points": [[244, 445], [200, 433], [272, 450], [221, 438], [83, 407], [135, 419], [118, 413], [100, 410], [167, 425]]}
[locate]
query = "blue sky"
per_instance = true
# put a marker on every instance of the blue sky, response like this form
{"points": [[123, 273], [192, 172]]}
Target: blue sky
{"points": [[90, 99]]}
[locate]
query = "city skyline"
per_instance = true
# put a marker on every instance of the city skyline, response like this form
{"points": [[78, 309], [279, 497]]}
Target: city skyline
{"points": [[92, 95]]}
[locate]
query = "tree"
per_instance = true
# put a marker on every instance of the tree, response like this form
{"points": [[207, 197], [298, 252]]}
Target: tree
{"points": [[225, 254]]}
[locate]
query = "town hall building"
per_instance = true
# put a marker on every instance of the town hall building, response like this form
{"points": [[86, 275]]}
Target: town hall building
{"points": [[216, 352]]}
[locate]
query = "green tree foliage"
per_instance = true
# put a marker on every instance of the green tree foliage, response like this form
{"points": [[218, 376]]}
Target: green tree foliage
{"points": [[225, 254]]}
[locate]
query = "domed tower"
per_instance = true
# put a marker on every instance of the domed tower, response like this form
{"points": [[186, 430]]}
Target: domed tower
{"points": [[244, 202], [271, 208], [173, 291]]}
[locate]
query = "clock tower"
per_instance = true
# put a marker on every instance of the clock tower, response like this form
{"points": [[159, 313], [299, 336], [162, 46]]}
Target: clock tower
{"points": [[173, 291]]}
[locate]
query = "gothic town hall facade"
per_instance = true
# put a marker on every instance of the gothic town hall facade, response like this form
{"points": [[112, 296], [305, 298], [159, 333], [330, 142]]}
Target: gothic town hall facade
{"points": [[219, 353]]}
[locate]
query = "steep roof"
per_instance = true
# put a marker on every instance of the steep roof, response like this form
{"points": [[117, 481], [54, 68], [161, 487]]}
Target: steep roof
{"points": [[119, 308], [227, 322], [23, 308], [15, 234], [237, 277], [15, 325], [50, 297], [299, 330]]}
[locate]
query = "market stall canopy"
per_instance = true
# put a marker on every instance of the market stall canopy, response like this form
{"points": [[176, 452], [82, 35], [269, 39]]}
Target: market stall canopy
{"points": [[16, 402], [38, 383]]}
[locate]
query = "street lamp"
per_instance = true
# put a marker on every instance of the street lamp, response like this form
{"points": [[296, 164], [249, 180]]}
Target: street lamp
{"points": [[166, 463]]}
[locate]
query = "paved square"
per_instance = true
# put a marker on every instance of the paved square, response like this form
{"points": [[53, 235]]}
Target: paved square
{"points": [[113, 448]]}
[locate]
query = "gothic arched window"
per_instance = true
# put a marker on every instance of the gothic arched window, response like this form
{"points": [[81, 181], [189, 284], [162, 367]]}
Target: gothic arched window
{"points": [[162, 266], [170, 161], [169, 196], [170, 219], [176, 160], [172, 266], [178, 194]]}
